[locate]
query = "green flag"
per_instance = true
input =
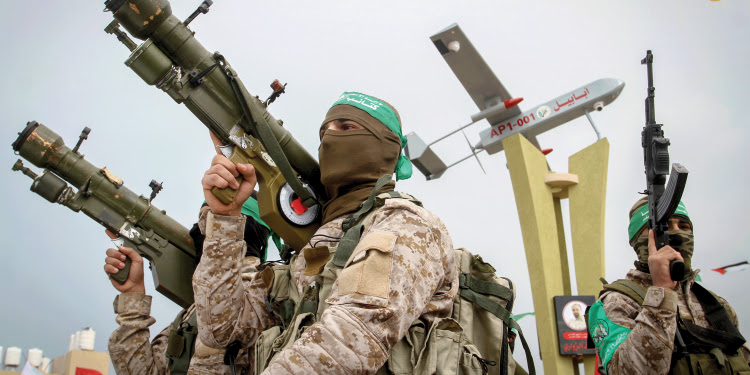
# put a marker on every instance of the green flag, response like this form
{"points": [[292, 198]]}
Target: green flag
{"points": [[518, 317]]}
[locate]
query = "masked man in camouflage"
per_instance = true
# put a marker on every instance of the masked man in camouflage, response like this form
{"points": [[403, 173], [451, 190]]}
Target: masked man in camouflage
{"points": [[130, 346], [648, 323], [401, 270]]}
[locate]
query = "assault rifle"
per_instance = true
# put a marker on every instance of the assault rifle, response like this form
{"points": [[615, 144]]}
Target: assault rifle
{"points": [[171, 58], [101, 196], [661, 202]]}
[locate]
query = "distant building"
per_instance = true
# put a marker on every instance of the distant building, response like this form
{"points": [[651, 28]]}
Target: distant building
{"points": [[77, 362], [81, 359]]}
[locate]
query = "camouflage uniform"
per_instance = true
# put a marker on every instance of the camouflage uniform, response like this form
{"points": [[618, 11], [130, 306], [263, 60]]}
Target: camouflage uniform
{"points": [[641, 340], [132, 353], [405, 271], [129, 344]]}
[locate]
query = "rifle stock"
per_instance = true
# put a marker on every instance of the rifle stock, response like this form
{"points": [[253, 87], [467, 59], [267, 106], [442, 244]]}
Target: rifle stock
{"points": [[103, 197]]}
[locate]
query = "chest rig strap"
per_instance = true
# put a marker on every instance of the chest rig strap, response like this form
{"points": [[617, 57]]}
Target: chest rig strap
{"points": [[353, 232], [723, 334]]}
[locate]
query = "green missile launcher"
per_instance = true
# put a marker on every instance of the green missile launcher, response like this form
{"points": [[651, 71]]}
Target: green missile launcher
{"points": [[171, 58], [102, 196]]}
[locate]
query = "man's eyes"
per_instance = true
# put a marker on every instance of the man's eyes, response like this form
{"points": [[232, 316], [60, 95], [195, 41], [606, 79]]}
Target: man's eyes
{"points": [[340, 127]]}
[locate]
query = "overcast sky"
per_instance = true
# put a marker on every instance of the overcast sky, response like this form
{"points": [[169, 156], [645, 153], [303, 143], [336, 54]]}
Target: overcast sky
{"points": [[58, 67]]}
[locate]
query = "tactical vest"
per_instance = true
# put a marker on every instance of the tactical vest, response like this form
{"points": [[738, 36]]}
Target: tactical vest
{"points": [[181, 342], [705, 351], [474, 340]]}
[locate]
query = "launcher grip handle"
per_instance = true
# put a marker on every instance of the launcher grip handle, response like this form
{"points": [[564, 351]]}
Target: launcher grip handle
{"points": [[122, 275], [226, 195]]}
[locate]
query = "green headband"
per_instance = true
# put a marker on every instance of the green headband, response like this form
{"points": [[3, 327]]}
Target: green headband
{"points": [[640, 218], [250, 208], [382, 112]]}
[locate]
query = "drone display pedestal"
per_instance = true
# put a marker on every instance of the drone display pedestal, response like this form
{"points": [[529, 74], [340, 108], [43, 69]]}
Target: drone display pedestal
{"points": [[538, 193]]}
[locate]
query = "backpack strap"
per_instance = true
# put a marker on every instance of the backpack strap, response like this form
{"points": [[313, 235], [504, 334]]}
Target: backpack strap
{"points": [[628, 288], [353, 232], [512, 299], [495, 309], [624, 286], [353, 226], [466, 281], [506, 348]]}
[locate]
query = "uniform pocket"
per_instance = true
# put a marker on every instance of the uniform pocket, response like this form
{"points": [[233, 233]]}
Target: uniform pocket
{"points": [[443, 350], [272, 341], [404, 354], [368, 270], [263, 346], [175, 343], [709, 366], [454, 354]]}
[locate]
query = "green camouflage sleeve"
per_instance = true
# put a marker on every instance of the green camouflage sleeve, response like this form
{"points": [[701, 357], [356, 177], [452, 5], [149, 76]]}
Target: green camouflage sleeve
{"points": [[403, 268], [632, 339], [129, 345], [231, 306]]}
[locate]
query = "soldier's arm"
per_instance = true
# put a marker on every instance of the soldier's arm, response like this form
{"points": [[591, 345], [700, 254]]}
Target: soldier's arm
{"points": [[633, 339], [229, 309], [402, 268], [129, 345]]}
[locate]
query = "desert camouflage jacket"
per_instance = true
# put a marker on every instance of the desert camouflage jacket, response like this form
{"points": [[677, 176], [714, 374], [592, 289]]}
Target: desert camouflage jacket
{"points": [[634, 339], [133, 353], [402, 269], [129, 345]]}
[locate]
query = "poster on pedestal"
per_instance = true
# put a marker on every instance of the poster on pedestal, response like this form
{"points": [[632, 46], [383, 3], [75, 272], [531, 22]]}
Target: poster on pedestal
{"points": [[571, 324]]}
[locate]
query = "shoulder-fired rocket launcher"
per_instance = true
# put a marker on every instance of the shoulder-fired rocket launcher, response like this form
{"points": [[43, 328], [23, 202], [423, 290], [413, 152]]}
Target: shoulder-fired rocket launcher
{"points": [[102, 196], [173, 60]]}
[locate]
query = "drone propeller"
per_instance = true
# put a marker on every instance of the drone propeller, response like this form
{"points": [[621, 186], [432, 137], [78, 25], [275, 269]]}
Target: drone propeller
{"points": [[473, 152]]}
